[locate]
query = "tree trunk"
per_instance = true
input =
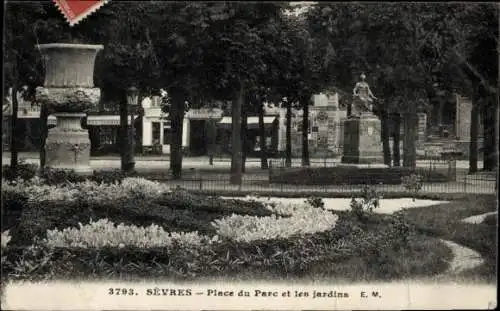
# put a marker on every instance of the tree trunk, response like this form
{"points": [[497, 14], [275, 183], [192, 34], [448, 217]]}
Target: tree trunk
{"points": [[176, 117], [496, 119], [385, 134], [396, 138], [124, 150], [13, 136], [212, 139], [236, 154], [489, 135], [244, 140], [262, 133], [305, 101], [288, 151], [44, 131], [474, 132], [440, 114], [409, 147]]}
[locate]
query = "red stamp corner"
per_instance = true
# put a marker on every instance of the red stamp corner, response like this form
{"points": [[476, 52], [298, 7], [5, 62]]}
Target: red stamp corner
{"points": [[76, 10]]}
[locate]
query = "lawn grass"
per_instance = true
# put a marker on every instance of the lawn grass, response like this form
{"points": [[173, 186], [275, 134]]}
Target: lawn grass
{"points": [[444, 221]]}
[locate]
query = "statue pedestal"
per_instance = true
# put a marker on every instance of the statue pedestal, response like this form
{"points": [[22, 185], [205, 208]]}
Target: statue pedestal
{"points": [[68, 144], [362, 140]]}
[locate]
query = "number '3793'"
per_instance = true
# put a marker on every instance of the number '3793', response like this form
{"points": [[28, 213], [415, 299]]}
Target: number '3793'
{"points": [[121, 291]]}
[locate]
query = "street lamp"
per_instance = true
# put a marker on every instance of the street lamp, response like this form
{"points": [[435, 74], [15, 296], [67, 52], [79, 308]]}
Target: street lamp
{"points": [[132, 101]]}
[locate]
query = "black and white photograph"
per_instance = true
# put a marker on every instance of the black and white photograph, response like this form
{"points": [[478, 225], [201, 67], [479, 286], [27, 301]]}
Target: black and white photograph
{"points": [[253, 155]]}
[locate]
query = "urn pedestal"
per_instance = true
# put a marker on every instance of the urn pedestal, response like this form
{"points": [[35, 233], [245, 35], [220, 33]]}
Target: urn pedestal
{"points": [[69, 93], [362, 140]]}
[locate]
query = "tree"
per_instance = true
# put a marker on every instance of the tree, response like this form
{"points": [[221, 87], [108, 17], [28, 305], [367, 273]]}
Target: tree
{"points": [[236, 57], [403, 47], [472, 68], [478, 54], [20, 63], [303, 68]]}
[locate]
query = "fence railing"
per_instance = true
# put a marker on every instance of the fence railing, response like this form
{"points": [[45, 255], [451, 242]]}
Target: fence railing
{"points": [[211, 184]]}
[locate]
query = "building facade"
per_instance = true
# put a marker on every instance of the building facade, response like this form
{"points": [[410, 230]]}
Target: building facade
{"points": [[207, 131]]}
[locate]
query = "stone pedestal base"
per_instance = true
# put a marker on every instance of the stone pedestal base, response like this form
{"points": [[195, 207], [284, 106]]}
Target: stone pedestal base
{"points": [[362, 140], [68, 145]]}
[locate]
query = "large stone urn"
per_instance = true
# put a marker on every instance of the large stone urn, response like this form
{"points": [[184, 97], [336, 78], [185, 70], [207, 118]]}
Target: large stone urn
{"points": [[68, 93]]}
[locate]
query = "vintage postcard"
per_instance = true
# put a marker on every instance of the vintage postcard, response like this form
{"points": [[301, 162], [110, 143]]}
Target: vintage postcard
{"points": [[199, 155]]}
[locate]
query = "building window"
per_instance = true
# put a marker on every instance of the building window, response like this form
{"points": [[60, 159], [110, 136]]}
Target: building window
{"points": [[155, 133], [167, 133], [107, 136], [315, 129]]}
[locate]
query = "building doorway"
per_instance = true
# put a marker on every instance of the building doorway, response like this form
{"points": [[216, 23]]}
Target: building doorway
{"points": [[197, 139]]}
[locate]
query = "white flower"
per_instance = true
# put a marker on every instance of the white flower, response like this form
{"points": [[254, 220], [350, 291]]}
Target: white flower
{"points": [[303, 219], [103, 233]]}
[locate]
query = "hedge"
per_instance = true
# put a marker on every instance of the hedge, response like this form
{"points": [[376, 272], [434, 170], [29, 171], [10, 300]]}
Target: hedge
{"points": [[349, 175]]}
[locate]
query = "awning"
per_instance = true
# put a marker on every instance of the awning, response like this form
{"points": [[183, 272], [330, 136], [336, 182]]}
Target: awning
{"points": [[106, 120], [252, 122], [96, 120]]}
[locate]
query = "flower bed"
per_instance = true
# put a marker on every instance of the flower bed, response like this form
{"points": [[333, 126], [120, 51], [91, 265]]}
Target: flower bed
{"points": [[33, 208], [138, 228], [372, 251]]}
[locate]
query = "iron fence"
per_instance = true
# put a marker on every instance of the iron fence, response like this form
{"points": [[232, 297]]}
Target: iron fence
{"points": [[213, 184]]}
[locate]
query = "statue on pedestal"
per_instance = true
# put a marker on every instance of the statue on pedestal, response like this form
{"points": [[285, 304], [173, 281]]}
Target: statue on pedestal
{"points": [[362, 98]]}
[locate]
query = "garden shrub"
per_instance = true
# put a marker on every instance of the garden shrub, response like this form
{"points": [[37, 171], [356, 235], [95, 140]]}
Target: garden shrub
{"points": [[182, 199], [491, 220], [303, 220], [315, 202], [368, 201], [349, 175], [38, 191], [55, 176], [413, 183], [110, 177], [13, 204], [25, 171], [104, 233]]}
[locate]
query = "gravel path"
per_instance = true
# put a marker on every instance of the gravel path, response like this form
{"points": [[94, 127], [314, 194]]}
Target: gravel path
{"points": [[464, 258], [387, 206], [477, 219]]}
